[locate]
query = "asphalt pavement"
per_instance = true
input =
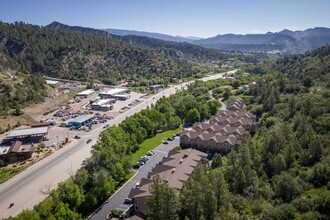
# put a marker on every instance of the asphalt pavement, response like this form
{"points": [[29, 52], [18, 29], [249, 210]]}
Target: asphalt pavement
{"points": [[30, 187], [116, 201]]}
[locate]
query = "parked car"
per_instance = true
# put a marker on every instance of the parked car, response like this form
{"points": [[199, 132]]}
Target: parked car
{"points": [[137, 165], [165, 142], [89, 140], [128, 201], [76, 137], [149, 153], [144, 159], [137, 185], [105, 126]]}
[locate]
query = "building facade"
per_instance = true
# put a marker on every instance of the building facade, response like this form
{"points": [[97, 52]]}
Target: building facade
{"points": [[220, 133], [175, 170]]}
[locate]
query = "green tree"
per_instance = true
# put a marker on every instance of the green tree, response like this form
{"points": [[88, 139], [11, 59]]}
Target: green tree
{"points": [[216, 161], [63, 212], [214, 106], [163, 202], [68, 193], [286, 187], [219, 188], [236, 84], [192, 117]]}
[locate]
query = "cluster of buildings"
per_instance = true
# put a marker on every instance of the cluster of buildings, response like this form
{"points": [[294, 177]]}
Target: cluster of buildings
{"points": [[106, 99], [221, 133], [175, 170], [20, 144]]}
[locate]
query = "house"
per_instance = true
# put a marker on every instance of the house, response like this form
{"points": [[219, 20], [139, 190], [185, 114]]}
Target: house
{"points": [[16, 152], [175, 170]]}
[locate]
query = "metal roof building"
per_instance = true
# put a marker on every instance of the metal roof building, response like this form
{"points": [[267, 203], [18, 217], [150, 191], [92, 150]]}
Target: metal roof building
{"points": [[51, 82], [39, 131], [112, 92], [85, 93], [80, 120]]}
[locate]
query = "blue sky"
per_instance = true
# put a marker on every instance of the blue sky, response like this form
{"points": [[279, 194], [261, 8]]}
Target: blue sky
{"points": [[204, 18]]}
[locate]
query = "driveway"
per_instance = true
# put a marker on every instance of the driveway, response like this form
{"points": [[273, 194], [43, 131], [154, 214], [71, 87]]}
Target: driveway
{"points": [[116, 201]]}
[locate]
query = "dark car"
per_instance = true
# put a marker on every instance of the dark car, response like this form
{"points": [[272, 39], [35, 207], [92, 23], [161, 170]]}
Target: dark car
{"points": [[128, 201], [144, 159], [89, 140], [76, 137], [165, 142], [137, 165]]}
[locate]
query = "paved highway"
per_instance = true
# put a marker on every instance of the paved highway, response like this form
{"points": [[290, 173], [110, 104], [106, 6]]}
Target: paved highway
{"points": [[27, 188]]}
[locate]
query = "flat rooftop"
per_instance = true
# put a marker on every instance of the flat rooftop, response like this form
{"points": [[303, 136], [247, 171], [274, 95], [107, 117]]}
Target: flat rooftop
{"points": [[86, 92], [113, 91], [102, 101], [28, 132], [121, 95], [81, 118], [51, 82]]}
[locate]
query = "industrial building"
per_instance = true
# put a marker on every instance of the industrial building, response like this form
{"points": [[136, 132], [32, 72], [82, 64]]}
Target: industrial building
{"points": [[28, 133], [155, 87], [112, 93], [121, 97], [79, 121], [102, 105], [85, 94]]}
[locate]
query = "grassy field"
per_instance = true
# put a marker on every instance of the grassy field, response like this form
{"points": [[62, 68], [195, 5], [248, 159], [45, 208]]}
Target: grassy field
{"points": [[151, 143], [6, 174]]}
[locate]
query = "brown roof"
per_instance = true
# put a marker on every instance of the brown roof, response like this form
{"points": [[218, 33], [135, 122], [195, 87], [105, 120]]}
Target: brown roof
{"points": [[15, 147], [175, 169]]}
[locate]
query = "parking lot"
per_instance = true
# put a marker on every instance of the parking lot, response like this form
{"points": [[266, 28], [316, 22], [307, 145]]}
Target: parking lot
{"points": [[117, 200], [81, 106]]}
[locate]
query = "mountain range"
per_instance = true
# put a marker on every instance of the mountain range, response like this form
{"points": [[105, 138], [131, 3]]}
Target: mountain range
{"points": [[120, 32], [286, 41]]}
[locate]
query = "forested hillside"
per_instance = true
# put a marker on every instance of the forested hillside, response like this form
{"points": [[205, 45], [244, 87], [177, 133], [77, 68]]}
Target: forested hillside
{"points": [[79, 56], [17, 88], [170, 49]]}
